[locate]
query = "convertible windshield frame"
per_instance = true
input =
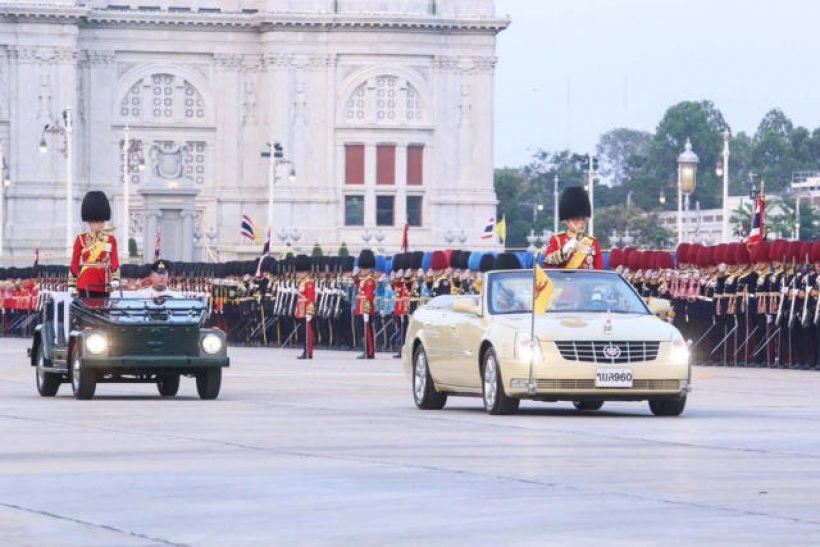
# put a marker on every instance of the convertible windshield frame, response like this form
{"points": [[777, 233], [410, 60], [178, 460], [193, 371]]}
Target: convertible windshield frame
{"points": [[559, 277], [141, 310]]}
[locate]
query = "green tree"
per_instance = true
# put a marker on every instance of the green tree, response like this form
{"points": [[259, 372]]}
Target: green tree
{"points": [[343, 251], [622, 152], [133, 252], [317, 250], [773, 158]]}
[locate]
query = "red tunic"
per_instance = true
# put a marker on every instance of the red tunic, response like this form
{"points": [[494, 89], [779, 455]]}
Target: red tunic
{"points": [[554, 256], [365, 298], [402, 297], [306, 300], [94, 262]]}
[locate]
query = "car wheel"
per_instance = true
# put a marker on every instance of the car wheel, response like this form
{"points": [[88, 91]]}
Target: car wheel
{"points": [[495, 400], [668, 407], [208, 383], [588, 405], [424, 392], [83, 380], [168, 384], [47, 383]]}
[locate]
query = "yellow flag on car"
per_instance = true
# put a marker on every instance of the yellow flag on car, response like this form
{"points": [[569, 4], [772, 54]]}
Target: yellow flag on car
{"points": [[501, 229], [544, 287]]}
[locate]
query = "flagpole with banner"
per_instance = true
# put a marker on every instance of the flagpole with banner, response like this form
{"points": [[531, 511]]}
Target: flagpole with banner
{"points": [[542, 290]]}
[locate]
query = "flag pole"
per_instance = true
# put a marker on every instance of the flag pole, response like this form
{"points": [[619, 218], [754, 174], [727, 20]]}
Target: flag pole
{"points": [[530, 381]]}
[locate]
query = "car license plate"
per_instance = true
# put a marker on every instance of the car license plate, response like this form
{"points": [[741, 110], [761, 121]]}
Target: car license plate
{"points": [[613, 377]]}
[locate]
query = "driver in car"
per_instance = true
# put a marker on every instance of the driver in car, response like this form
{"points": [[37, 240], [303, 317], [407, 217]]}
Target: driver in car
{"points": [[159, 283]]}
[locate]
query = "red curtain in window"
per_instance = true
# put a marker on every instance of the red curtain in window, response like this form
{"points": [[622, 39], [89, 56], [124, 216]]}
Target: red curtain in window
{"points": [[415, 165], [386, 164], [354, 164]]}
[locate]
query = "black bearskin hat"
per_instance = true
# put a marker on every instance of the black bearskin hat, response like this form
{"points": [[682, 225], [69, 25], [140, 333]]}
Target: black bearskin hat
{"points": [[302, 263], [574, 203], [486, 264], [95, 207], [506, 261], [366, 259]]}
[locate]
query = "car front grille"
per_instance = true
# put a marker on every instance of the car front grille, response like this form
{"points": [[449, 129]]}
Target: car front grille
{"points": [[590, 384], [155, 341], [608, 352]]}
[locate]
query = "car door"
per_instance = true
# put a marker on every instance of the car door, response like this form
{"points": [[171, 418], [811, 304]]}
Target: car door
{"points": [[465, 339]]}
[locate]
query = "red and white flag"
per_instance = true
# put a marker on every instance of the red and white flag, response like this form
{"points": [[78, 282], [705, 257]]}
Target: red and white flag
{"points": [[489, 229], [758, 231], [405, 242], [265, 253]]}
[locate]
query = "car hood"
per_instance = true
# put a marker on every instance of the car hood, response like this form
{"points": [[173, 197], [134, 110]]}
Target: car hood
{"points": [[591, 326]]}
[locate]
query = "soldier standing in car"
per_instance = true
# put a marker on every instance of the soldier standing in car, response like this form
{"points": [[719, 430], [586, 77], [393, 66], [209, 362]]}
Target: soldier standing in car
{"points": [[573, 249], [95, 265]]}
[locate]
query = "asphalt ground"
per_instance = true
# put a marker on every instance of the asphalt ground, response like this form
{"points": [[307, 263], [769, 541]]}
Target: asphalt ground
{"points": [[333, 452]]}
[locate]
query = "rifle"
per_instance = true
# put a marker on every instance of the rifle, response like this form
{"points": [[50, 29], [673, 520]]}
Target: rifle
{"points": [[779, 316], [804, 317], [792, 318]]}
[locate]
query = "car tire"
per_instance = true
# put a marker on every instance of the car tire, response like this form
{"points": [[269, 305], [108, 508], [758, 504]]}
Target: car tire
{"points": [[668, 407], [424, 391], [168, 384], [588, 405], [83, 380], [496, 402], [208, 383], [48, 383]]}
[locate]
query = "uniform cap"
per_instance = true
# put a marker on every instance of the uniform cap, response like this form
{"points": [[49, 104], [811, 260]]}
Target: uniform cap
{"points": [[741, 254], [506, 261], [616, 257], [367, 259], [302, 263], [486, 263], [95, 207], [574, 203], [439, 261], [160, 267]]}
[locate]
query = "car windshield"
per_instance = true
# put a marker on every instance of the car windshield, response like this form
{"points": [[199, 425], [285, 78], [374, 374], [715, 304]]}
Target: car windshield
{"points": [[140, 310], [575, 291]]}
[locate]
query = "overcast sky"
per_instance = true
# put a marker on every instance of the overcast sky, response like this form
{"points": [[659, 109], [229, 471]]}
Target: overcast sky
{"points": [[570, 70]]}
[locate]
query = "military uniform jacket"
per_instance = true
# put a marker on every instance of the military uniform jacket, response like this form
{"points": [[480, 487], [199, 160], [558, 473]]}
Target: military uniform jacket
{"points": [[306, 299], [592, 259], [94, 262], [442, 286], [365, 298]]}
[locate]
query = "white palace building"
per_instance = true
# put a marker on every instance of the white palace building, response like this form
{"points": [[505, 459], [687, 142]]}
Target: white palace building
{"points": [[383, 108]]}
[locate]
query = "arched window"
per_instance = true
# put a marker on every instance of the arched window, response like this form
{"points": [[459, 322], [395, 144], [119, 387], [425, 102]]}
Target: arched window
{"points": [[384, 100], [163, 98]]}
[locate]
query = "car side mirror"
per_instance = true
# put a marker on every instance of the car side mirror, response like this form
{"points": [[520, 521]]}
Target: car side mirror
{"points": [[659, 306], [466, 306]]}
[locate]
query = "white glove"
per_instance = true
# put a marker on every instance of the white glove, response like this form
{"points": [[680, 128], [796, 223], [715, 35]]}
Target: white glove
{"points": [[72, 291], [366, 318], [308, 318], [115, 284], [569, 246], [784, 290]]}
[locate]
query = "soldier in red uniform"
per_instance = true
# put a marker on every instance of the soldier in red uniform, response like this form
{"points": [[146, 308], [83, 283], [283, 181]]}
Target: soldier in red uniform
{"points": [[365, 304], [95, 265], [401, 295], [574, 249], [305, 303]]}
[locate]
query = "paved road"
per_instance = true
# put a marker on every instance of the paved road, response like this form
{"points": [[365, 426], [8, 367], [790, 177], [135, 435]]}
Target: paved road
{"points": [[334, 452]]}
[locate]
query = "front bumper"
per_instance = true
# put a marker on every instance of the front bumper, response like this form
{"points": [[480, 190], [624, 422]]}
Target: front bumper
{"points": [[164, 362], [555, 378]]}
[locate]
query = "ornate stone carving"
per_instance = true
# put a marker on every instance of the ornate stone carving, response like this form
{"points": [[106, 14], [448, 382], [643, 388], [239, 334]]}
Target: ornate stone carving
{"points": [[43, 55], [464, 64], [277, 60], [228, 60], [465, 105], [167, 161], [44, 98], [248, 100], [93, 57], [136, 224], [300, 102]]}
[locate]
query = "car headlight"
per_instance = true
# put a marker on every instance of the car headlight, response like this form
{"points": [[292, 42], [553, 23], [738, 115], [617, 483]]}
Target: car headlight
{"points": [[96, 343], [527, 348], [680, 352], [211, 343]]}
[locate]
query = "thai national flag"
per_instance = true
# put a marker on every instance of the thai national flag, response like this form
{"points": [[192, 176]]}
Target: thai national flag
{"points": [[489, 229], [248, 228], [758, 231]]}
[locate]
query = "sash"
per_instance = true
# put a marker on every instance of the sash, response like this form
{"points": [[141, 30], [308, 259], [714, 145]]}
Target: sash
{"points": [[577, 258], [94, 249]]}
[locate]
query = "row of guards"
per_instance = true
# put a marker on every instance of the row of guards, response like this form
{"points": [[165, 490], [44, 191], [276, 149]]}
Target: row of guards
{"points": [[739, 305]]}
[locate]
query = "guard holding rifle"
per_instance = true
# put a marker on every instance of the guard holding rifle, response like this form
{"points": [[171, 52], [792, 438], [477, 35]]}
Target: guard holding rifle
{"points": [[573, 249], [305, 303], [365, 304], [95, 265]]}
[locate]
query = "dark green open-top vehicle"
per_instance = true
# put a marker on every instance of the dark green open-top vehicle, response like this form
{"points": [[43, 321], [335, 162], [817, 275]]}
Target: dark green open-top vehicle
{"points": [[87, 341]]}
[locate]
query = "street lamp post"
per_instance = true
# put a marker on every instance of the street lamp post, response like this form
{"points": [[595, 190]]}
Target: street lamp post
{"points": [[276, 156], [590, 178], [687, 179], [6, 181], [66, 130], [722, 170]]}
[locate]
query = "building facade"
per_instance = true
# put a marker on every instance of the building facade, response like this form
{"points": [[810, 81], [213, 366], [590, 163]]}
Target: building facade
{"points": [[384, 109]]}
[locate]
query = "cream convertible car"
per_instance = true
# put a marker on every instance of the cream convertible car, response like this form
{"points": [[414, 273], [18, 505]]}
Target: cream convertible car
{"points": [[597, 342]]}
